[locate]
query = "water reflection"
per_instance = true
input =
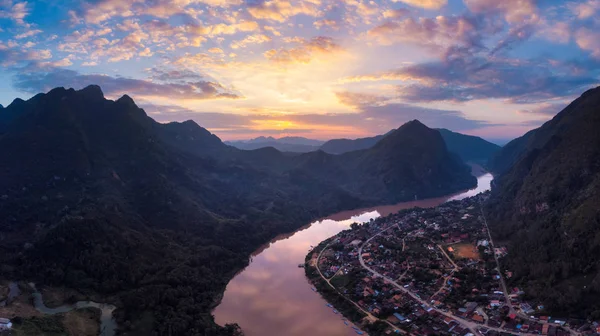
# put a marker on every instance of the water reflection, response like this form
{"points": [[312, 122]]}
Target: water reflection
{"points": [[273, 297]]}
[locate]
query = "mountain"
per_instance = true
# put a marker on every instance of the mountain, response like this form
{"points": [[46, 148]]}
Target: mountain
{"points": [[283, 147], [284, 144], [340, 146], [410, 161], [294, 140], [97, 196], [545, 207], [504, 159], [469, 148]]}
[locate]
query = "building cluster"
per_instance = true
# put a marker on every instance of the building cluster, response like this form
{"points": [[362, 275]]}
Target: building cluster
{"points": [[433, 271]]}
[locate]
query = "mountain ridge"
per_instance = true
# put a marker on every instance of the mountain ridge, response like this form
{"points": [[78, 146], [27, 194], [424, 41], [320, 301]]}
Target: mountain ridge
{"points": [[545, 208], [469, 148], [106, 200]]}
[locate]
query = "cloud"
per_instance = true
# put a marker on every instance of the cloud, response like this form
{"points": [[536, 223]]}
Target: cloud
{"points": [[546, 109], [471, 78], [10, 56], [210, 120], [395, 115], [16, 11], [437, 34], [281, 10], [373, 119], [28, 33], [249, 40], [305, 51], [585, 9], [517, 81], [396, 13], [359, 99], [46, 79], [514, 11], [589, 40], [427, 4], [557, 31], [515, 36], [230, 29]]}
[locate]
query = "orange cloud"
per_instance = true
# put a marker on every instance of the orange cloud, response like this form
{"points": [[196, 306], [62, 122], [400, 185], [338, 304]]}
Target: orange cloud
{"points": [[427, 4], [305, 52]]}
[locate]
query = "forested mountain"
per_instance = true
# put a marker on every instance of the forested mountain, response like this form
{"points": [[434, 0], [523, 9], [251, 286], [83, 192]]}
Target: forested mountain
{"points": [[97, 196], [545, 207], [504, 159], [468, 147], [340, 146]]}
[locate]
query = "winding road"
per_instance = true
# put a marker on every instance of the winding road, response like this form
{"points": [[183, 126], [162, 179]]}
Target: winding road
{"points": [[472, 326], [369, 315]]}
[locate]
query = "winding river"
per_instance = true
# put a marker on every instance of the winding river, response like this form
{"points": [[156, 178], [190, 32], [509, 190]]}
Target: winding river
{"points": [[108, 325], [273, 297]]}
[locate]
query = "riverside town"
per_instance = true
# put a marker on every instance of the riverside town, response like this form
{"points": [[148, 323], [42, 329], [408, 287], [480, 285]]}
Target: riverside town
{"points": [[429, 272]]}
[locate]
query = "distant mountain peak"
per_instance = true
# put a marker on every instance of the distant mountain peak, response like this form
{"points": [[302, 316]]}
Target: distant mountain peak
{"points": [[126, 100], [590, 92], [92, 92], [414, 124], [16, 102]]}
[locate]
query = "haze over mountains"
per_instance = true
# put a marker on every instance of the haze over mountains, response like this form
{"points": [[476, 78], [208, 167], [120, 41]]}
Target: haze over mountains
{"points": [[545, 205], [284, 144], [469, 148], [99, 197]]}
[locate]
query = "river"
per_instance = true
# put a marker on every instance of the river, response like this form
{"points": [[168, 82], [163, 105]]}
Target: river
{"points": [[273, 297], [108, 324]]}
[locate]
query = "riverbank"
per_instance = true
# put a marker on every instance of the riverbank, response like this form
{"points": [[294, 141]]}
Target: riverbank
{"points": [[406, 270], [357, 319], [272, 295], [28, 310]]}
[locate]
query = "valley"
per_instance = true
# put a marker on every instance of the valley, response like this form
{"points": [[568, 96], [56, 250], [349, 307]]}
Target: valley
{"points": [[272, 295]]}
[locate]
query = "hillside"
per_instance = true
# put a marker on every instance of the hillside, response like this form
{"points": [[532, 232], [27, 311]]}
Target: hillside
{"points": [[545, 207], [97, 196], [469, 148], [340, 146], [504, 159], [417, 170]]}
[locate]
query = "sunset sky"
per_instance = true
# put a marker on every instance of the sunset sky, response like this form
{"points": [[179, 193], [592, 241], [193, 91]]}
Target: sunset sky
{"points": [[315, 68]]}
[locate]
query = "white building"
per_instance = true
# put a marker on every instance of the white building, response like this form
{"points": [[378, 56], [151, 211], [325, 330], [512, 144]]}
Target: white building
{"points": [[5, 324]]}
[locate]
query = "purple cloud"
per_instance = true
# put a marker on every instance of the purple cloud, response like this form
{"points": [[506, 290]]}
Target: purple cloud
{"points": [[46, 79]]}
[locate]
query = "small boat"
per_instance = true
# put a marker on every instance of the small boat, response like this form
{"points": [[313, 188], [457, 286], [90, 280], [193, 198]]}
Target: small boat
{"points": [[355, 328], [313, 288], [359, 332], [346, 322], [329, 305], [301, 265], [335, 311]]}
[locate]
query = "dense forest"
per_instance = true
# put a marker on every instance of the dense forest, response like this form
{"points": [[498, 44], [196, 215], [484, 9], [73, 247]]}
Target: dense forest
{"points": [[545, 207], [97, 196]]}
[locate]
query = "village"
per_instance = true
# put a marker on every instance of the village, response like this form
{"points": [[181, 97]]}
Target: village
{"points": [[433, 272]]}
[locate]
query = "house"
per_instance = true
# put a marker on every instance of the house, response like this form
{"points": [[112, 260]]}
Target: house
{"points": [[495, 303], [399, 317], [545, 329], [477, 318], [5, 324]]}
